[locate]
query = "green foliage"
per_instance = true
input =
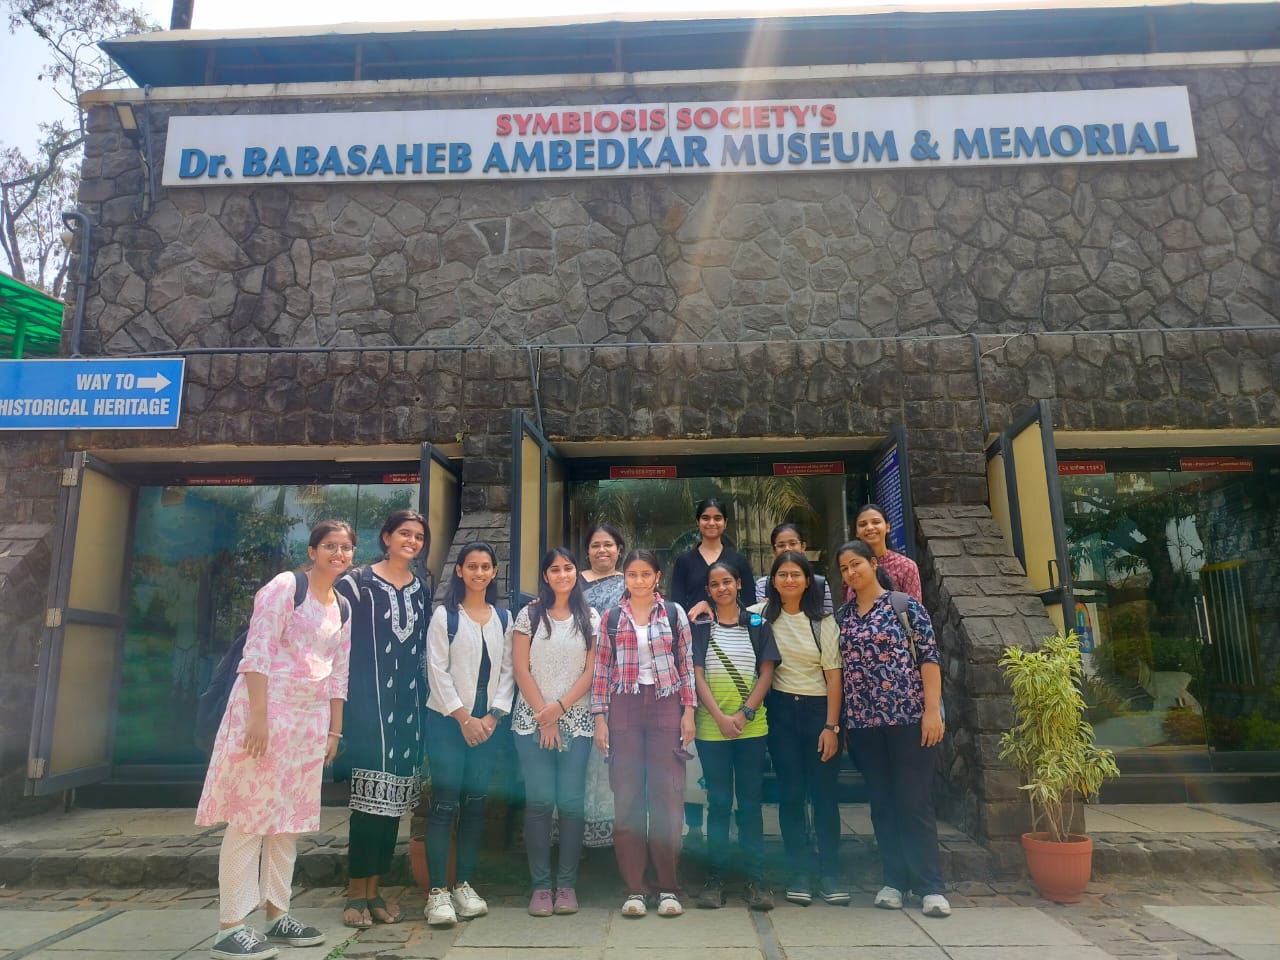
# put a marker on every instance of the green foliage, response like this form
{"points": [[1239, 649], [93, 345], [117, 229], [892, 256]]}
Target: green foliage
{"points": [[1051, 743]]}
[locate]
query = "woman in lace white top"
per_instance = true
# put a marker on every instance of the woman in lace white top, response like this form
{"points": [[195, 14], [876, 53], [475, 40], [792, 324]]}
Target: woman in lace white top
{"points": [[553, 657]]}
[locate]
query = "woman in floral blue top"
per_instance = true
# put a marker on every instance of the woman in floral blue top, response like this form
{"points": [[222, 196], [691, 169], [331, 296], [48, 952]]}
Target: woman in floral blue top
{"points": [[893, 715]]}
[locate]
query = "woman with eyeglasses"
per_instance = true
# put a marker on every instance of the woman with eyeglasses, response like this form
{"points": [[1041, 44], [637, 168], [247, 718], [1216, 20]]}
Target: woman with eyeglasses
{"points": [[689, 575], [787, 537], [804, 728], [386, 710], [282, 726]]}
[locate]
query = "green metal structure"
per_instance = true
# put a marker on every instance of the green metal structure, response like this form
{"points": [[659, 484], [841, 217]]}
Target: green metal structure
{"points": [[30, 321]]}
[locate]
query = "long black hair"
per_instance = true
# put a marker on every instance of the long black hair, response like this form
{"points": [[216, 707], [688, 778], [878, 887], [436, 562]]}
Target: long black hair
{"points": [[706, 503], [782, 528], [538, 609], [863, 549], [322, 530], [456, 591], [811, 602]]}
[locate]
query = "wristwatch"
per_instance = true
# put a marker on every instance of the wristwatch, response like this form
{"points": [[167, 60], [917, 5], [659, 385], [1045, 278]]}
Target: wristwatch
{"points": [[497, 714], [833, 727], [748, 712]]}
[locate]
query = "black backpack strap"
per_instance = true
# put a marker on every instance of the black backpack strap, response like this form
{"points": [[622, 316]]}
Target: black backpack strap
{"points": [[451, 623], [612, 619], [816, 627], [902, 606], [300, 587]]}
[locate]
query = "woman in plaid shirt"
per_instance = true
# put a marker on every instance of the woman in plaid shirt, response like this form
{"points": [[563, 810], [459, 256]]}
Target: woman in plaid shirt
{"points": [[643, 699]]}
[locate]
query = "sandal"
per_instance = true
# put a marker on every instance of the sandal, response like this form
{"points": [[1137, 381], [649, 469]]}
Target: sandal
{"points": [[377, 903], [364, 921]]}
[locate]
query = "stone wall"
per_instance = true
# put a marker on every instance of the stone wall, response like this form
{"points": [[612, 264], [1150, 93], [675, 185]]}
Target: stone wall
{"points": [[670, 259], [980, 602]]}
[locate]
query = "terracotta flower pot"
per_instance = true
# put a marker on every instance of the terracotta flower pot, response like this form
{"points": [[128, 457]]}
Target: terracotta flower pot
{"points": [[1060, 870]]}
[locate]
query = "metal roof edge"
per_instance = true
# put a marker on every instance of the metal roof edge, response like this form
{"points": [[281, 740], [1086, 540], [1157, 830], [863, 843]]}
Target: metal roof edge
{"points": [[746, 17], [604, 81]]}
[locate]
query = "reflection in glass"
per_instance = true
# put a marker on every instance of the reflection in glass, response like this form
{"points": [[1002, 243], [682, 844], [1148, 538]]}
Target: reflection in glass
{"points": [[200, 554], [1176, 602]]}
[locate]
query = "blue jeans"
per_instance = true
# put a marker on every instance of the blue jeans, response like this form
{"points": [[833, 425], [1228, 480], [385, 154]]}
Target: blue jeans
{"points": [[553, 780], [795, 723], [460, 776], [734, 767], [899, 776]]}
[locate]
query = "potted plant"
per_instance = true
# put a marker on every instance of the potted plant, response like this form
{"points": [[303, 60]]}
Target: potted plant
{"points": [[1052, 745]]}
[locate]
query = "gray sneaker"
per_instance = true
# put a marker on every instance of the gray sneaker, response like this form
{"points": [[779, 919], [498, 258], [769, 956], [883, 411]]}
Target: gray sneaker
{"points": [[293, 932], [242, 943]]}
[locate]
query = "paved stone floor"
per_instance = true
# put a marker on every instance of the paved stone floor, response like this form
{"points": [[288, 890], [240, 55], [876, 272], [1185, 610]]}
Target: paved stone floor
{"points": [[1204, 919]]}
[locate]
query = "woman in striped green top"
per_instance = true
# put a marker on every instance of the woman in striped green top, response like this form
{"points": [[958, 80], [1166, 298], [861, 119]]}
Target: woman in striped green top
{"points": [[733, 658]]}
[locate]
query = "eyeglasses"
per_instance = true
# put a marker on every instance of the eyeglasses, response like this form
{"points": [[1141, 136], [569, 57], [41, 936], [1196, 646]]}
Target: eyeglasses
{"points": [[338, 548], [784, 545], [789, 575]]}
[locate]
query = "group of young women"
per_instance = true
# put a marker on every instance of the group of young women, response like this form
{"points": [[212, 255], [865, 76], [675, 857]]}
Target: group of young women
{"points": [[600, 678]]}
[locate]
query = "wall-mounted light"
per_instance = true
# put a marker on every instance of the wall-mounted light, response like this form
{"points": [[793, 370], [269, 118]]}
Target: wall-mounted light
{"points": [[128, 119], [134, 123]]}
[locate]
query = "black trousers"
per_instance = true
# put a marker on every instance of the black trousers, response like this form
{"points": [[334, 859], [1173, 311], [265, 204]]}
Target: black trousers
{"points": [[899, 775], [795, 724], [371, 844]]}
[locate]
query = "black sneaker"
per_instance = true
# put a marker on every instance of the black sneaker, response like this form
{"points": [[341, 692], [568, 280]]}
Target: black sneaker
{"points": [[712, 895], [242, 943], [293, 932], [799, 891], [833, 891], [759, 897]]}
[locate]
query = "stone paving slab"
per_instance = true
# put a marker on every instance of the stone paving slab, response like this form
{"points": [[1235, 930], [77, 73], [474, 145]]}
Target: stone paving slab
{"points": [[823, 926], [1225, 926], [996, 927], [686, 951], [21, 928], [513, 927], [1042, 952], [728, 927], [866, 953]]}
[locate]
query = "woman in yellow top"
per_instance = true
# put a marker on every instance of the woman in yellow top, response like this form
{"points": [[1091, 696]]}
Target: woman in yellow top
{"points": [[804, 726]]}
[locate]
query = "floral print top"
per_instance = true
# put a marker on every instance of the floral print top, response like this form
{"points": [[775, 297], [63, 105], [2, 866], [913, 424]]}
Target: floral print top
{"points": [[882, 687]]}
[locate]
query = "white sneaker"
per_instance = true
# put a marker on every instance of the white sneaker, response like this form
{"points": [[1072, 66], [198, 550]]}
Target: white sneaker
{"points": [[936, 905], [890, 898], [669, 905], [468, 904], [634, 906], [439, 909]]}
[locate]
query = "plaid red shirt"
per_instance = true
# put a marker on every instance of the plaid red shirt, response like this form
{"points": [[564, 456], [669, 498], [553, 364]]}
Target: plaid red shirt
{"points": [[617, 659]]}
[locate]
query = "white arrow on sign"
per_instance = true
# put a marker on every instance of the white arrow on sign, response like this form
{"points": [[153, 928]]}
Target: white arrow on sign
{"points": [[158, 382]]}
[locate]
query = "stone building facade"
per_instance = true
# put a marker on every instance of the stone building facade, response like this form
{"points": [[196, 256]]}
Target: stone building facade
{"points": [[775, 309]]}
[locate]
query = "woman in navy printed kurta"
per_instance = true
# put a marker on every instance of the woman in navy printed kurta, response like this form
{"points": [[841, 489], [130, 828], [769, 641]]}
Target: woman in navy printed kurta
{"points": [[893, 716]]}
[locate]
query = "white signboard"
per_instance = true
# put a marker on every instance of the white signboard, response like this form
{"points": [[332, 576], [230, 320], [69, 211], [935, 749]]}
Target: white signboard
{"points": [[643, 139]]}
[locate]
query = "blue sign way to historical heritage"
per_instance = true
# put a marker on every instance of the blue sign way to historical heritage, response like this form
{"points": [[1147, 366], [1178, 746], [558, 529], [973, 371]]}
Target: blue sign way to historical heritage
{"points": [[93, 394]]}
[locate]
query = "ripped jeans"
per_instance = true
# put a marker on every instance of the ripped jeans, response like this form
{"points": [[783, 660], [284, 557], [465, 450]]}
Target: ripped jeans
{"points": [[459, 786]]}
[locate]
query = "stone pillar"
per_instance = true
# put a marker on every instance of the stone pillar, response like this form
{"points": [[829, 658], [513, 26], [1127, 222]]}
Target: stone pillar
{"points": [[980, 602]]}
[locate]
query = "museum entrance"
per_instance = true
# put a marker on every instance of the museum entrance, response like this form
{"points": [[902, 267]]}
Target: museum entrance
{"points": [[648, 491]]}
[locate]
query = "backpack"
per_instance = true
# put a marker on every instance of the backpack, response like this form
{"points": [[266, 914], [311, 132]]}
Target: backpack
{"points": [[614, 616], [212, 704], [898, 600]]}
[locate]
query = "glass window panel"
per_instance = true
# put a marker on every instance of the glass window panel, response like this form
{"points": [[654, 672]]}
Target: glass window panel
{"points": [[1175, 581], [200, 554]]}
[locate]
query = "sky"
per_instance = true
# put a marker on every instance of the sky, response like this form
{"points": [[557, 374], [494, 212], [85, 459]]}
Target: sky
{"points": [[28, 101]]}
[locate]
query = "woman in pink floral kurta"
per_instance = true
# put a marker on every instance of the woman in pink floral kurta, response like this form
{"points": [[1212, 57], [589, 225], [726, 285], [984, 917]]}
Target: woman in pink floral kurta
{"points": [[283, 723]]}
